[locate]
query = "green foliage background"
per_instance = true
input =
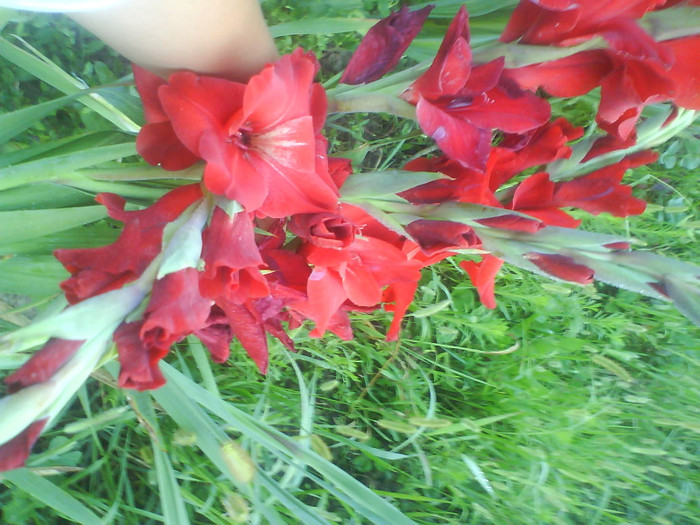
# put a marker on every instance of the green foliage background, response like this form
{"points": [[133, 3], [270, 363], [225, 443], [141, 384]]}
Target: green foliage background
{"points": [[565, 405]]}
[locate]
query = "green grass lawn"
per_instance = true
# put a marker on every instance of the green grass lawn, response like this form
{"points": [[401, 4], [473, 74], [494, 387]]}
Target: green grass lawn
{"points": [[564, 405]]}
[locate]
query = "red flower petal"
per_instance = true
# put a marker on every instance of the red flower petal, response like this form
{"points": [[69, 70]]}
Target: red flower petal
{"points": [[327, 230], [566, 77], [196, 104], [139, 363], [383, 45], [231, 259], [401, 294], [250, 332], [600, 191], [438, 236], [280, 92], [536, 191], [562, 267], [216, 335], [147, 85], [505, 107], [513, 222], [685, 70], [326, 293], [98, 270], [15, 452], [451, 67], [43, 364], [483, 275], [461, 141], [159, 146], [176, 309]]}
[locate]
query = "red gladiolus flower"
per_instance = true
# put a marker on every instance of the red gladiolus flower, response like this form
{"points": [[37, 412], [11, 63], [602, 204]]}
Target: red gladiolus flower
{"points": [[326, 230], [231, 259], [460, 106], [98, 270], [599, 191], [452, 66], [383, 45], [15, 452], [517, 153], [358, 274], [157, 142], [176, 309], [138, 362], [570, 22], [483, 275], [633, 72], [685, 70], [464, 184], [259, 140]]}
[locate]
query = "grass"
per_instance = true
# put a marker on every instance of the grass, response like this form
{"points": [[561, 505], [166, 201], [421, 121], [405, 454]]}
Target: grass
{"points": [[565, 405]]}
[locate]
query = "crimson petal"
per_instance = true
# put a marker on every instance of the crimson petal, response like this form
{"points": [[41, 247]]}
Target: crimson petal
{"points": [[383, 45], [15, 452]]}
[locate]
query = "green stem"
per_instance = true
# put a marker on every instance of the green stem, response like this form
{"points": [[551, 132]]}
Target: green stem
{"points": [[371, 102]]}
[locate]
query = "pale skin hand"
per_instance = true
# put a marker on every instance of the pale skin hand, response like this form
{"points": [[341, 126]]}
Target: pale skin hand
{"points": [[227, 38]]}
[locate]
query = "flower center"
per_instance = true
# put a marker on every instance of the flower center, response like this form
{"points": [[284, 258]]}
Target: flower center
{"points": [[241, 137]]}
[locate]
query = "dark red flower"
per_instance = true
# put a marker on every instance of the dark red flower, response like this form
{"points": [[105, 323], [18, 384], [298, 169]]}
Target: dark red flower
{"points": [[259, 140], [216, 335], [383, 45], [452, 66], [326, 230], [483, 275], [176, 309], [98, 270], [535, 196], [597, 192], [459, 106], [250, 331], [463, 184], [518, 153], [138, 361], [231, 259], [570, 22], [157, 142], [15, 452], [561, 267], [462, 124]]}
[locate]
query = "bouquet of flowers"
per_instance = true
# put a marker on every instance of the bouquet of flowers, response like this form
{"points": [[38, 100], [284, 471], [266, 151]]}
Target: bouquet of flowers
{"points": [[267, 228]]}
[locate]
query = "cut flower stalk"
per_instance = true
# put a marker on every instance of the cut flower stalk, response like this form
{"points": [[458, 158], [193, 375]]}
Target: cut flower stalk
{"points": [[280, 232]]}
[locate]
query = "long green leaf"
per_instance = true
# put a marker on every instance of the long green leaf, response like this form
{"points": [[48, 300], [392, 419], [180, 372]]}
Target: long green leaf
{"points": [[61, 147], [53, 168], [172, 504], [363, 499], [44, 69], [384, 185], [15, 122], [51, 495], [21, 225], [37, 276]]}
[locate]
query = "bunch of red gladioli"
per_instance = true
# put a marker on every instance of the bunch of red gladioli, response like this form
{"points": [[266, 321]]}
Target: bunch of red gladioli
{"points": [[279, 233]]}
